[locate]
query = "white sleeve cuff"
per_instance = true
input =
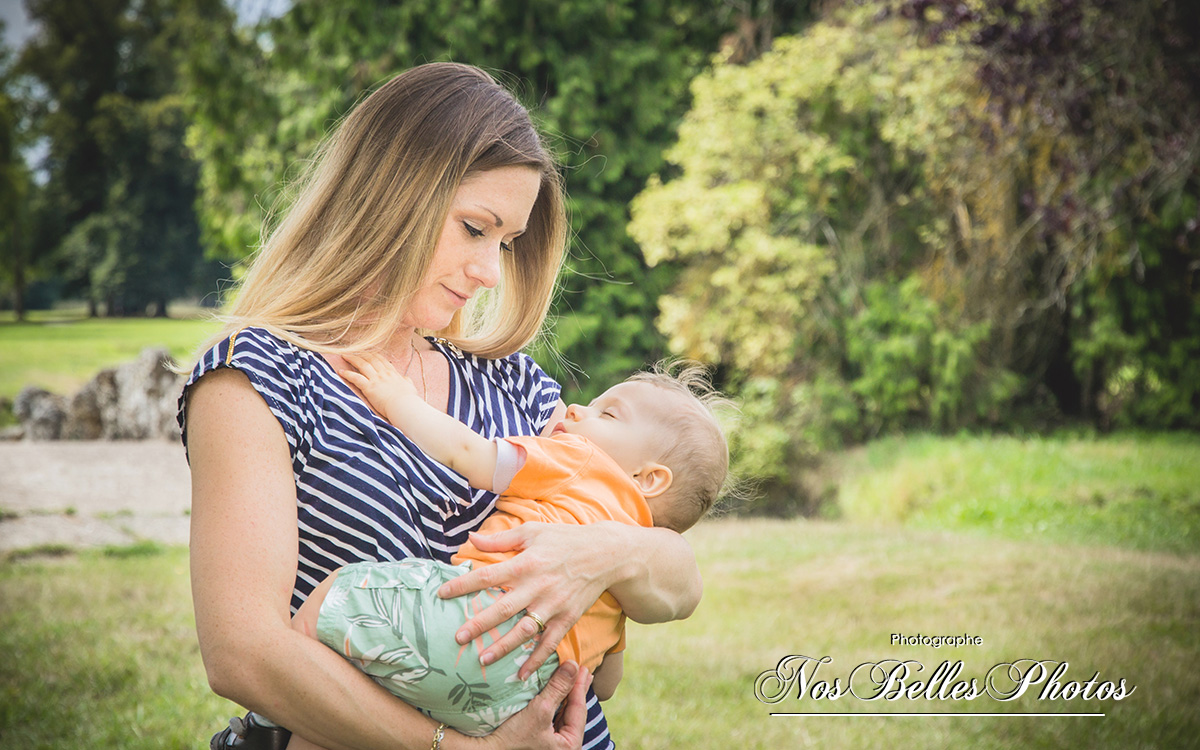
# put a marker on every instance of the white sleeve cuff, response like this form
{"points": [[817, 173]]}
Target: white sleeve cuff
{"points": [[509, 460]]}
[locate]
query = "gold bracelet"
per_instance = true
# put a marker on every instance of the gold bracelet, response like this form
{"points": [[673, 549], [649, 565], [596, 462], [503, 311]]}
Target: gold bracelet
{"points": [[437, 737]]}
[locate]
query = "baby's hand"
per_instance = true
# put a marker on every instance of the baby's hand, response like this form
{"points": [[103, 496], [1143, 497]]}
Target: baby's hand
{"points": [[379, 381]]}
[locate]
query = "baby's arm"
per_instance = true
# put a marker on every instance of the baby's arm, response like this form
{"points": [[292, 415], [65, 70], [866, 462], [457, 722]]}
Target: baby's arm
{"points": [[608, 675], [440, 435]]}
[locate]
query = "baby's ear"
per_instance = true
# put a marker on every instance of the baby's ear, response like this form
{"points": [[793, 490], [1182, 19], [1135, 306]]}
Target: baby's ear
{"points": [[654, 479]]}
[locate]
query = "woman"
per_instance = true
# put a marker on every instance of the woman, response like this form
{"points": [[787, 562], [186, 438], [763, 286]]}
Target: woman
{"points": [[433, 208]]}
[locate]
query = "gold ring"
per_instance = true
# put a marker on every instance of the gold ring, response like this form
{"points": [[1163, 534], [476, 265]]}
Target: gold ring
{"points": [[540, 622]]}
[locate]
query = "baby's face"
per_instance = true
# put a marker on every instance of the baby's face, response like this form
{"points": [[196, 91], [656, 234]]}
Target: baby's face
{"points": [[623, 422]]}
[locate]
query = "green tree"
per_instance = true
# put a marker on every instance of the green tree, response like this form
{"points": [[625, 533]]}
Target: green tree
{"points": [[607, 80], [16, 187], [882, 228], [74, 59], [1106, 95], [806, 201], [121, 183]]}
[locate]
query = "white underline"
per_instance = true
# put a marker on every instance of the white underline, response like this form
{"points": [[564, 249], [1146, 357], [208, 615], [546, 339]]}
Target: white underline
{"points": [[916, 713]]}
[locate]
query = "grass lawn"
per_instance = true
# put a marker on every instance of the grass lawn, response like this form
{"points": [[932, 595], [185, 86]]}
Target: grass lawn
{"points": [[1133, 490], [60, 351], [100, 650], [819, 589]]}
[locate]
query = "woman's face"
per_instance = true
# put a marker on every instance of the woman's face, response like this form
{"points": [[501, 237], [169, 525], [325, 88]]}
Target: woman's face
{"points": [[488, 212]]}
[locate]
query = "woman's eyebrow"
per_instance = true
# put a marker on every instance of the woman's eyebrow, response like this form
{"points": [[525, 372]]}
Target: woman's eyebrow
{"points": [[496, 217]]}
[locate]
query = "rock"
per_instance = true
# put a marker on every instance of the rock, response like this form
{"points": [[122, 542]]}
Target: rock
{"points": [[142, 400], [11, 433], [133, 401], [85, 418], [41, 413]]}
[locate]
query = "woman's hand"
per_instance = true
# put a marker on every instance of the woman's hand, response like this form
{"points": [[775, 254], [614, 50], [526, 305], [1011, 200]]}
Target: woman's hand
{"points": [[380, 383], [560, 572], [541, 724]]}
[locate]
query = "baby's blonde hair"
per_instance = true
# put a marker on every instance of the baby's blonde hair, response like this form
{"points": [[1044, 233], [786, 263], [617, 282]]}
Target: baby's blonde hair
{"points": [[698, 453]]}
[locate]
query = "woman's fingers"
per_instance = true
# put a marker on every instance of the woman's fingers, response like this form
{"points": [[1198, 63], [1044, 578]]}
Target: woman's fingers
{"points": [[572, 719], [502, 541], [488, 576], [526, 629], [568, 687], [560, 684], [537, 726], [545, 647], [504, 609], [484, 577]]}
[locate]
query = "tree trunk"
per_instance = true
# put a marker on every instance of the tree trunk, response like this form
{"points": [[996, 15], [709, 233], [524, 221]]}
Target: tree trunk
{"points": [[19, 280], [19, 291]]}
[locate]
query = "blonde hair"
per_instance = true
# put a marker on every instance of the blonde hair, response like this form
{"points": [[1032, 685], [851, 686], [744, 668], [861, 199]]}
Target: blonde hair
{"points": [[336, 274], [697, 453]]}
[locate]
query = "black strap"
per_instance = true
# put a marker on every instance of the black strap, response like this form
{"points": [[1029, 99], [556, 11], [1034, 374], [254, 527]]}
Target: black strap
{"points": [[245, 734]]}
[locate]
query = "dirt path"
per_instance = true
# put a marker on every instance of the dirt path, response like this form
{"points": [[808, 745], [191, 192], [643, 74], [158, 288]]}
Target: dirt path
{"points": [[92, 493]]}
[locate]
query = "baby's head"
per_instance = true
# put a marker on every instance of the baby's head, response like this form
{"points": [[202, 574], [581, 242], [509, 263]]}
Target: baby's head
{"points": [[659, 426]]}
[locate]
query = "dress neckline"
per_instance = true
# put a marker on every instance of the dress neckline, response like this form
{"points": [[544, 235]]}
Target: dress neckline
{"points": [[448, 351]]}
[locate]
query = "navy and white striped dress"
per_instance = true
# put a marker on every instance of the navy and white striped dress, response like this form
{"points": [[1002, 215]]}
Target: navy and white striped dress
{"points": [[364, 492]]}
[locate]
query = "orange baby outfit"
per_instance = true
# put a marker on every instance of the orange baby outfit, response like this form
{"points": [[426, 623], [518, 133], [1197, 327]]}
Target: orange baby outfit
{"points": [[566, 479]]}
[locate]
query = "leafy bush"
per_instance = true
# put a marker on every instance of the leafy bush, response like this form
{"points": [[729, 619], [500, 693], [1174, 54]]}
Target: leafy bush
{"points": [[871, 235], [801, 224]]}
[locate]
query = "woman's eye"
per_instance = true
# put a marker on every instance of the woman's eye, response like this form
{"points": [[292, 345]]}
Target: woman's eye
{"points": [[506, 247], [472, 230]]}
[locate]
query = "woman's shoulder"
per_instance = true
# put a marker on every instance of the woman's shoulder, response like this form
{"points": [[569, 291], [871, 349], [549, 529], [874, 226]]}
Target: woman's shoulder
{"points": [[513, 383], [518, 372], [291, 379], [257, 351], [261, 342], [279, 369]]}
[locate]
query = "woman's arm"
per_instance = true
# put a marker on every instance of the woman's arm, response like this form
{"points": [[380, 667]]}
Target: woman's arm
{"points": [[244, 551], [562, 570], [664, 583]]}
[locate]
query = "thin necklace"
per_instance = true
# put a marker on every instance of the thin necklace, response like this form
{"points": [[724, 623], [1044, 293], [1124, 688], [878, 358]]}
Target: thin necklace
{"points": [[421, 363]]}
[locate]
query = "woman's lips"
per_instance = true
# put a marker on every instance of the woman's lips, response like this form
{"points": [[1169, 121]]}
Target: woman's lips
{"points": [[458, 299]]}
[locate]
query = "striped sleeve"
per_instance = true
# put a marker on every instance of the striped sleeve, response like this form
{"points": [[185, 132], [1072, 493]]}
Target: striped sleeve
{"points": [[273, 368], [537, 392]]}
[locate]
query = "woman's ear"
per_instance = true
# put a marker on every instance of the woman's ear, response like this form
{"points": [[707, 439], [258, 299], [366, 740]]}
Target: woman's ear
{"points": [[653, 479]]}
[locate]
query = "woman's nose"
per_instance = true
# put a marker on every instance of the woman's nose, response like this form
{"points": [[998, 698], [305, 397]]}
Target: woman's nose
{"points": [[484, 268]]}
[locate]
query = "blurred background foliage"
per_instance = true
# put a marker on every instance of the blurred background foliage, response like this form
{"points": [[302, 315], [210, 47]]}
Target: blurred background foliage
{"points": [[870, 217], [607, 81], [928, 215]]}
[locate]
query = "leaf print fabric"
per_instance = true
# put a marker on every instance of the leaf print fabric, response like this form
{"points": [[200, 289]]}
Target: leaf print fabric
{"points": [[387, 620]]}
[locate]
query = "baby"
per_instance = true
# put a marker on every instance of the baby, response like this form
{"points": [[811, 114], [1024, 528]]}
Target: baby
{"points": [[648, 451]]}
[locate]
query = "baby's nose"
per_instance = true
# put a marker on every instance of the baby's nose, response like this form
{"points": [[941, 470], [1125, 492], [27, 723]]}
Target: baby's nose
{"points": [[576, 412]]}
